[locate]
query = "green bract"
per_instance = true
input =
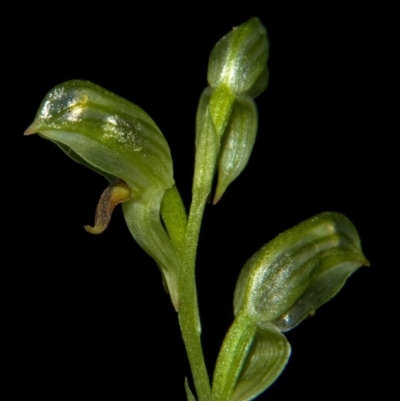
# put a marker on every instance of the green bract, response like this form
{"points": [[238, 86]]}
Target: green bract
{"points": [[237, 143], [267, 356], [250, 360], [120, 141]]}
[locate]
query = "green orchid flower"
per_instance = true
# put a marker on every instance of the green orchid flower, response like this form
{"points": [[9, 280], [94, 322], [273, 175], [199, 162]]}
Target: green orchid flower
{"points": [[118, 140], [278, 287]]}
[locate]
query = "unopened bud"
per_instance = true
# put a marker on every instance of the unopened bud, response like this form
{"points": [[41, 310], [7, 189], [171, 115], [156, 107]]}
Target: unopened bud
{"points": [[299, 271]]}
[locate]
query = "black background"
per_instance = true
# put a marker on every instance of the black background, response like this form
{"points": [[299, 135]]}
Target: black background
{"points": [[88, 314]]}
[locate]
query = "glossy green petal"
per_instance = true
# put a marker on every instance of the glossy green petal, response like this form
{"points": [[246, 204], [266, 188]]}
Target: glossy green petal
{"points": [[299, 270]]}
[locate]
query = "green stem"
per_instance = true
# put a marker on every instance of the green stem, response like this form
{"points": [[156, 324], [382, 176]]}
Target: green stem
{"points": [[189, 318], [207, 148], [184, 236], [232, 356]]}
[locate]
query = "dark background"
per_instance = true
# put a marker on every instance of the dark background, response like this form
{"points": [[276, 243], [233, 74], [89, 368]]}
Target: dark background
{"points": [[88, 313]]}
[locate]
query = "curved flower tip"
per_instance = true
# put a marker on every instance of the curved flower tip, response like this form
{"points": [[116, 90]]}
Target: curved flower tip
{"points": [[114, 194], [106, 133], [30, 130]]}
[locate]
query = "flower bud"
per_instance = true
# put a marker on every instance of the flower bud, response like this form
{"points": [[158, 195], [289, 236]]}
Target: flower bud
{"points": [[298, 271], [237, 73], [239, 60], [120, 141]]}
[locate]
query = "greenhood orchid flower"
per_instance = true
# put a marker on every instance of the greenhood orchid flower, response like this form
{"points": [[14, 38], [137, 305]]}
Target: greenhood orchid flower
{"points": [[278, 287], [119, 140]]}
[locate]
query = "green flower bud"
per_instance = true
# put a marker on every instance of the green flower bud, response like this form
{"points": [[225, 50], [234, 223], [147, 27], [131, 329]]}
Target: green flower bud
{"points": [[120, 141], [237, 72], [239, 60], [298, 271]]}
